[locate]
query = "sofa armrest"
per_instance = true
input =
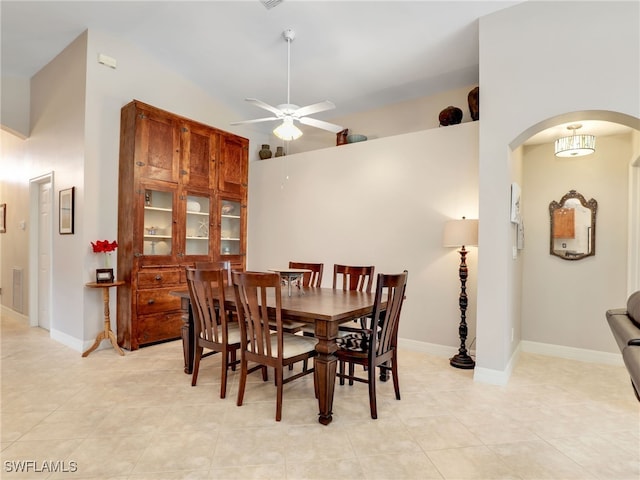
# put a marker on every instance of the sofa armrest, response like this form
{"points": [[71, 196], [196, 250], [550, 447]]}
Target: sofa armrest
{"points": [[631, 357], [622, 327]]}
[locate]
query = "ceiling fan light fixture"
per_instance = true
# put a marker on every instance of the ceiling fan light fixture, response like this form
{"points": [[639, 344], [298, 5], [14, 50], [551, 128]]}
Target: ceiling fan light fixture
{"points": [[575, 145], [287, 130]]}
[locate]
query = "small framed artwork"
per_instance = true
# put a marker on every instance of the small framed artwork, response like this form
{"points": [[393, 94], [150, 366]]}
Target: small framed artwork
{"points": [[104, 275], [3, 218], [66, 211]]}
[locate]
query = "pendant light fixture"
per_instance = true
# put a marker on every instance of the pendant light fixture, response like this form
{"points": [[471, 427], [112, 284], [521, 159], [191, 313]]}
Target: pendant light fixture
{"points": [[575, 145]]}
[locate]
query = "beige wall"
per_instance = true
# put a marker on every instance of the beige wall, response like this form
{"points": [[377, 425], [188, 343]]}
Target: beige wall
{"points": [[517, 92], [524, 80], [398, 119], [75, 128], [382, 202], [13, 192], [564, 301]]}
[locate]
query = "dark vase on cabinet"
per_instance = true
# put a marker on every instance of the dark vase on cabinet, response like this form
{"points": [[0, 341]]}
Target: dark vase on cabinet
{"points": [[173, 176], [265, 152]]}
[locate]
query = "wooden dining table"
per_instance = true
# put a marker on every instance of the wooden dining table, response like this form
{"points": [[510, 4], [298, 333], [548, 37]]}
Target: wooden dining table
{"points": [[325, 308]]}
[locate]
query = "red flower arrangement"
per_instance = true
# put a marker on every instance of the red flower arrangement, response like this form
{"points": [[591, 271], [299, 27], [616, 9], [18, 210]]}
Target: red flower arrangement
{"points": [[104, 246]]}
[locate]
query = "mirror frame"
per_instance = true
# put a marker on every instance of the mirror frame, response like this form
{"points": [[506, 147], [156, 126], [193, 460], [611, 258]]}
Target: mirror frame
{"points": [[592, 205]]}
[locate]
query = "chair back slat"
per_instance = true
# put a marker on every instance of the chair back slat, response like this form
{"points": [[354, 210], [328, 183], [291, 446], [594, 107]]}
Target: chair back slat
{"points": [[206, 290], [351, 277], [224, 265], [252, 291], [390, 288], [312, 278]]}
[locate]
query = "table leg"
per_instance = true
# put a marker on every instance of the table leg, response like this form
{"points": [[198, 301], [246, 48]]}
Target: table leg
{"points": [[106, 334], [188, 335], [325, 368]]}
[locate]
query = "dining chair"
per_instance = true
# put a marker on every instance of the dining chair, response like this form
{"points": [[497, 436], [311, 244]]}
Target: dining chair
{"points": [[312, 278], [225, 265], [261, 343], [352, 277], [376, 345], [213, 328]]}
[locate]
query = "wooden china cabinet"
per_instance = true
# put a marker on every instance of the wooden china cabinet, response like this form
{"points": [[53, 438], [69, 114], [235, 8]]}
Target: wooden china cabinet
{"points": [[182, 199]]}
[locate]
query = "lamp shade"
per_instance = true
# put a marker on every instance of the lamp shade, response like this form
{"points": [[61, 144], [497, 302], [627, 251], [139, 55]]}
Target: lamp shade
{"points": [[576, 145], [287, 131], [458, 233]]}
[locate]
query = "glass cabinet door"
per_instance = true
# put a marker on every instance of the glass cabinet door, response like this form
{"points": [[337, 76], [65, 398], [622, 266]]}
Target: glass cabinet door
{"points": [[230, 227], [158, 222], [197, 225]]}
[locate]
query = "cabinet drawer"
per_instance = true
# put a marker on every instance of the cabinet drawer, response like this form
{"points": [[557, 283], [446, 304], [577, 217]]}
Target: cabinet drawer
{"points": [[158, 278], [157, 301], [155, 328]]}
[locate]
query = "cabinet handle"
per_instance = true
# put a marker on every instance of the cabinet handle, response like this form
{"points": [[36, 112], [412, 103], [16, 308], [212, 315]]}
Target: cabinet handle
{"points": [[151, 301], [158, 277], [137, 254]]}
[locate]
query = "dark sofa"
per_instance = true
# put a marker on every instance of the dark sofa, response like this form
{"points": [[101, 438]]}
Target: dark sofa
{"points": [[625, 326]]}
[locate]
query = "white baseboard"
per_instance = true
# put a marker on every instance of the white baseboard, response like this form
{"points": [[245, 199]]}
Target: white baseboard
{"points": [[572, 353], [9, 312], [501, 377], [69, 341], [497, 377], [424, 347]]}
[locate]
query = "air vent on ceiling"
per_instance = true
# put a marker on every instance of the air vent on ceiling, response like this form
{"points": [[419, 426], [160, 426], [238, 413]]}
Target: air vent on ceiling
{"points": [[269, 4]]}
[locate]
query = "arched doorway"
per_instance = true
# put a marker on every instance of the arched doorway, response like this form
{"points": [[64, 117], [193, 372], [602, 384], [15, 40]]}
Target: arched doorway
{"points": [[563, 303]]}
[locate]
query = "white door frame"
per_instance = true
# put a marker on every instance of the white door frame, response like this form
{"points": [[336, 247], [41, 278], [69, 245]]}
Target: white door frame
{"points": [[34, 235]]}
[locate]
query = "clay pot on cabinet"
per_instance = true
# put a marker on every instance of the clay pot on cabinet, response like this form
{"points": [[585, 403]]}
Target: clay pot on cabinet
{"points": [[450, 116], [279, 151], [341, 137], [474, 103], [265, 152]]}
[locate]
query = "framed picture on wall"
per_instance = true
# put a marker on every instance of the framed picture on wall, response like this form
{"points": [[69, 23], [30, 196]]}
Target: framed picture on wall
{"points": [[3, 218], [66, 211]]}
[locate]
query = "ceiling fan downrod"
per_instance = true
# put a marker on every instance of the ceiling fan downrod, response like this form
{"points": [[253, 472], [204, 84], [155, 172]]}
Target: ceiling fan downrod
{"points": [[289, 35]]}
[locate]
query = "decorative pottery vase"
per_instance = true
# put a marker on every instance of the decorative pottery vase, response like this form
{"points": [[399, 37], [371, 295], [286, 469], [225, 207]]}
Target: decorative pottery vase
{"points": [[265, 152], [279, 152], [341, 137], [474, 103], [450, 116]]}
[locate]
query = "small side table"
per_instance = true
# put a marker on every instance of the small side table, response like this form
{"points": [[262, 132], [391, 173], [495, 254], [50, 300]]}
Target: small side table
{"points": [[106, 334]]}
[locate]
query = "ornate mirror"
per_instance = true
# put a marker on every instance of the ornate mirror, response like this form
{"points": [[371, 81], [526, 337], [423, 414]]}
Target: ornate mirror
{"points": [[573, 227]]}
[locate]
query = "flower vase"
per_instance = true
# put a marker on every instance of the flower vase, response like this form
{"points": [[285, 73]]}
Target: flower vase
{"points": [[105, 275]]}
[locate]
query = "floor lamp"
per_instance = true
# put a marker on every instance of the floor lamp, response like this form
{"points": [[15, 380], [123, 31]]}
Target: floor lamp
{"points": [[458, 233]]}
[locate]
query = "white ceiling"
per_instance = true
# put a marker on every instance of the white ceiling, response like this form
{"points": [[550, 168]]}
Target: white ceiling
{"points": [[358, 54]]}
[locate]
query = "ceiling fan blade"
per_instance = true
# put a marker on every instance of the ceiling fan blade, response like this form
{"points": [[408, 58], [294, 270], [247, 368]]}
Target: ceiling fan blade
{"points": [[315, 108], [266, 106], [321, 124], [266, 119]]}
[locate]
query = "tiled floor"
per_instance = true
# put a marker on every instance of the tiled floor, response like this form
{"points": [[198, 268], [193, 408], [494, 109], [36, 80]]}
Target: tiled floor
{"points": [[137, 417]]}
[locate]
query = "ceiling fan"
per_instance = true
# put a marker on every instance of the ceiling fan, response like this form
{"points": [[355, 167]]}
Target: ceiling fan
{"points": [[288, 112]]}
